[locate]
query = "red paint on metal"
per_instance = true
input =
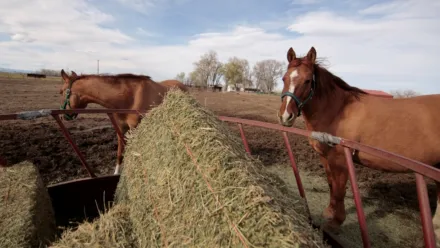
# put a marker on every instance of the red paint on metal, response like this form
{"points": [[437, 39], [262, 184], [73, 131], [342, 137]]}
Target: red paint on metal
{"points": [[416, 166], [299, 184], [243, 138], [97, 111], [425, 212], [357, 198], [74, 146], [266, 125], [6, 117]]}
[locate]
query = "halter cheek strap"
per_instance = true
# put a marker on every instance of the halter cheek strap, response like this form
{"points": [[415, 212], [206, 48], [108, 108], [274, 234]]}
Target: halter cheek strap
{"points": [[67, 102], [298, 102]]}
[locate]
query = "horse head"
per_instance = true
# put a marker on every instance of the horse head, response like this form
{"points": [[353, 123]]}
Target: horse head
{"points": [[299, 86], [70, 99]]}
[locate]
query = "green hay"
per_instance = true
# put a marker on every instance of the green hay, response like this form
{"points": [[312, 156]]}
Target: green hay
{"points": [[26, 214], [112, 229], [223, 198]]}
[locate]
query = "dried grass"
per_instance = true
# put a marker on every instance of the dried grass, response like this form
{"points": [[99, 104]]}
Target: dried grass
{"points": [[112, 229], [188, 182], [26, 215]]}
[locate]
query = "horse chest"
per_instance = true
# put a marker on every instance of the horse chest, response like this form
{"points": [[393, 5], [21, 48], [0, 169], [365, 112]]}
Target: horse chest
{"points": [[319, 147]]}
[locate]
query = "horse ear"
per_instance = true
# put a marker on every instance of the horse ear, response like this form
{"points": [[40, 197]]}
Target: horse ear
{"points": [[74, 74], [311, 55], [291, 55], [64, 75]]}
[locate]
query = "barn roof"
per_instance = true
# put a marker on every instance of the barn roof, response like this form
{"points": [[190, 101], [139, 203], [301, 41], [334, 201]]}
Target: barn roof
{"points": [[378, 93]]}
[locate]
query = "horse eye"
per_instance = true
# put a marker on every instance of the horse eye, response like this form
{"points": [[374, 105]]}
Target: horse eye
{"points": [[307, 81]]}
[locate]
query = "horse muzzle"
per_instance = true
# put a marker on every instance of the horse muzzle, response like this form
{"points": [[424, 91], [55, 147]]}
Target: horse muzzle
{"points": [[69, 117], [286, 122]]}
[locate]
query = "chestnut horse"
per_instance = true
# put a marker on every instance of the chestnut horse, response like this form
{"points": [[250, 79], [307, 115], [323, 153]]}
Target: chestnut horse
{"points": [[122, 91], [409, 127]]}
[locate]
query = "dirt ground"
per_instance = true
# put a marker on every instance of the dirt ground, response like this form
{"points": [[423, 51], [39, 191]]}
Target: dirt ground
{"points": [[42, 142]]}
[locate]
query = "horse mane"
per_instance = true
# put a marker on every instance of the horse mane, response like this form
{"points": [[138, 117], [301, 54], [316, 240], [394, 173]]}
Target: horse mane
{"points": [[114, 78], [327, 82]]}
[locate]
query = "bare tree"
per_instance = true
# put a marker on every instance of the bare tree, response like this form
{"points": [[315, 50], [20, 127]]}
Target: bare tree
{"points": [[237, 72], [218, 74], [266, 73], [180, 77], [207, 70], [404, 93]]}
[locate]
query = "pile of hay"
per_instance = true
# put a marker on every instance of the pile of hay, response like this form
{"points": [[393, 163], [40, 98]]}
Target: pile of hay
{"points": [[188, 182], [26, 215], [112, 229]]}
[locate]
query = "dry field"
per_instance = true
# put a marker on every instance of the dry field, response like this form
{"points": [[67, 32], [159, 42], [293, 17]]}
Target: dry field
{"points": [[390, 199]]}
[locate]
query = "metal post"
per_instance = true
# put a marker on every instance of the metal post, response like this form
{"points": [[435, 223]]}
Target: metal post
{"points": [[243, 137], [357, 198], [299, 184], [75, 148], [425, 212]]}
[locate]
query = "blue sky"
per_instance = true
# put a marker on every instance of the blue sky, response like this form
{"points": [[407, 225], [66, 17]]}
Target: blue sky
{"points": [[372, 44], [174, 22]]}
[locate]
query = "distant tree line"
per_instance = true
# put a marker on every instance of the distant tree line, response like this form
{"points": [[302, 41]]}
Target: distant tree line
{"points": [[49, 72], [208, 71], [404, 93]]}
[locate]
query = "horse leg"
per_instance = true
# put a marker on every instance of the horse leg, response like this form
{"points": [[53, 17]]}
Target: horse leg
{"points": [[328, 212], [131, 122], [119, 157], [121, 147], [339, 176]]}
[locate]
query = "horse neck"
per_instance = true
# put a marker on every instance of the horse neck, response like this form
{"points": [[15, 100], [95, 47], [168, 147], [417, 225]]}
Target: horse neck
{"points": [[97, 90], [327, 104]]}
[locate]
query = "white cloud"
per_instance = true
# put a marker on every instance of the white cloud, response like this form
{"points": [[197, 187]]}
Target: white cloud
{"points": [[57, 22], [22, 37], [388, 46], [398, 47]]}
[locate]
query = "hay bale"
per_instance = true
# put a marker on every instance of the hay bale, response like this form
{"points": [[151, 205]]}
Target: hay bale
{"points": [[112, 229], [188, 182], [26, 215]]}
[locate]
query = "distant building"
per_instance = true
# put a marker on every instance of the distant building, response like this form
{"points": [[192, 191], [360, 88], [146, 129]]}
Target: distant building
{"points": [[230, 88]]}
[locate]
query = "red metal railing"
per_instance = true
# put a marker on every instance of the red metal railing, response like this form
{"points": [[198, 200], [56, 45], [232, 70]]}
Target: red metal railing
{"points": [[420, 169]]}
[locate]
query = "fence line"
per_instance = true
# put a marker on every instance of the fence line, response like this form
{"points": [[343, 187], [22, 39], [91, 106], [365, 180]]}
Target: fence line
{"points": [[420, 169]]}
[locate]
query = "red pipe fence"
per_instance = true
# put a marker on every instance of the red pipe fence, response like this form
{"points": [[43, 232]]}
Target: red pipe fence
{"points": [[420, 170]]}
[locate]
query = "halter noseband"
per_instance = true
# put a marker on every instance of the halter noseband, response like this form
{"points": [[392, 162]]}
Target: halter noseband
{"points": [[67, 102], [298, 102]]}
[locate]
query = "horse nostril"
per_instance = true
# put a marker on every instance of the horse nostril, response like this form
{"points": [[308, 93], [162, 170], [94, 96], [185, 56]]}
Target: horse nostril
{"points": [[290, 116]]}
